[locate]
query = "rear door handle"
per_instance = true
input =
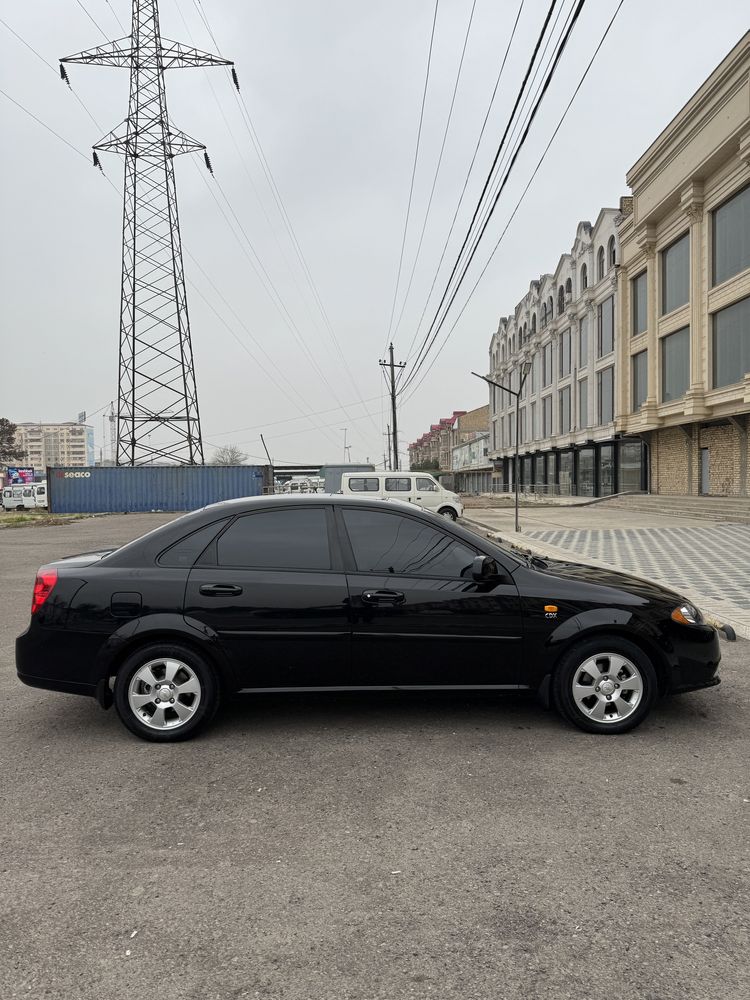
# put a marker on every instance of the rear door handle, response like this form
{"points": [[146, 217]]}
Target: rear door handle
{"points": [[221, 589], [382, 597]]}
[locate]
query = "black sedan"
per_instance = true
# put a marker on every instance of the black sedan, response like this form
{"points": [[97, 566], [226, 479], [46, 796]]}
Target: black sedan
{"points": [[321, 593]]}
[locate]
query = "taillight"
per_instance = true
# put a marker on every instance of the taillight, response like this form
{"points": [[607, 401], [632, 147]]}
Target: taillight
{"points": [[45, 581]]}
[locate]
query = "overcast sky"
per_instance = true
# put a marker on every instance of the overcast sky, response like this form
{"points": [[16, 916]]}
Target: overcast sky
{"points": [[334, 89]]}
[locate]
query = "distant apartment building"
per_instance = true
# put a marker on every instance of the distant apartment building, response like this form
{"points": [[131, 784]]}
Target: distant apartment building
{"points": [[470, 462], [684, 308], [563, 335], [67, 443]]}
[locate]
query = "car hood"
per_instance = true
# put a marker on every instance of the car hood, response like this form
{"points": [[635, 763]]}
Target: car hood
{"points": [[596, 576]]}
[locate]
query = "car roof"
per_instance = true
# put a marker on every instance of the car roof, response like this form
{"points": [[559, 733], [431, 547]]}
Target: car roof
{"points": [[297, 498]]}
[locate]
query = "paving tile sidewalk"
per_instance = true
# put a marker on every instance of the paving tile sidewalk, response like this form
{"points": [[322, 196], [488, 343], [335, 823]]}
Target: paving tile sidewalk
{"points": [[707, 563]]}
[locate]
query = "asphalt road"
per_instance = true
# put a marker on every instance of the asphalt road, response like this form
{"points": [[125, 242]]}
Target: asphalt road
{"points": [[336, 847]]}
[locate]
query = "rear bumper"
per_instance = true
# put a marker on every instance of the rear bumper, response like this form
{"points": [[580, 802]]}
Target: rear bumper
{"points": [[57, 660], [55, 684]]}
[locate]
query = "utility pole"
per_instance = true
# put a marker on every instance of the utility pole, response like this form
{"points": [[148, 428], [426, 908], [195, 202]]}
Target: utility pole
{"points": [[392, 366], [157, 400], [387, 465]]}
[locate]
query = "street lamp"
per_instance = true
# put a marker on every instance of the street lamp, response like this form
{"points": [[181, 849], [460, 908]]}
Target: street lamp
{"points": [[524, 370]]}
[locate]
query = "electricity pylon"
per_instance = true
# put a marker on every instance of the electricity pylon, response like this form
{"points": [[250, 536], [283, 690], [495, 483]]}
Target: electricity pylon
{"points": [[157, 400]]}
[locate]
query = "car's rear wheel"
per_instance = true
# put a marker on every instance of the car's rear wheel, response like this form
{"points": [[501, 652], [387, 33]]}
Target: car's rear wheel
{"points": [[448, 512], [166, 693], [605, 684]]}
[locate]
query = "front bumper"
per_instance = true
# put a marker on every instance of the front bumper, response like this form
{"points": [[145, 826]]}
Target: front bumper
{"points": [[696, 655]]}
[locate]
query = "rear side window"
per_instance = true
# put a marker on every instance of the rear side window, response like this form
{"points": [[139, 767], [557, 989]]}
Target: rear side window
{"points": [[363, 485], [390, 543], [277, 539], [188, 549], [398, 485]]}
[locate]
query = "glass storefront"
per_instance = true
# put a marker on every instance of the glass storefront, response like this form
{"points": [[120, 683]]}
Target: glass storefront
{"points": [[630, 466], [586, 472], [551, 472], [565, 474], [606, 470], [528, 479]]}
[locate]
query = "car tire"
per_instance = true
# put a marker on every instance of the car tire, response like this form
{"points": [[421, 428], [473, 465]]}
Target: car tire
{"points": [[448, 512], [605, 685], [166, 692]]}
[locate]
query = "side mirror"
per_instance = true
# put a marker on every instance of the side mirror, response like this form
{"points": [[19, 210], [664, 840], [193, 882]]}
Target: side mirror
{"points": [[483, 569]]}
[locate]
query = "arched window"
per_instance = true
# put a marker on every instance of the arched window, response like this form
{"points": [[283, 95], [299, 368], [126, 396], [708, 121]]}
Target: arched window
{"points": [[513, 345], [600, 264], [560, 300], [551, 308], [584, 277], [502, 352], [525, 333], [544, 314], [611, 253], [569, 288], [533, 324]]}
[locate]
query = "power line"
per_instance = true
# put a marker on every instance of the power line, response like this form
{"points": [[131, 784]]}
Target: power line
{"points": [[438, 165], [95, 23], [520, 200], [49, 66], [114, 15], [44, 125], [413, 172], [255, 141], [485, 188], [466, 180]]}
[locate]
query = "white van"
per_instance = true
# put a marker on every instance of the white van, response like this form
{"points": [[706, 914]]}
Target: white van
{"points": [[40, 494], [416, 487], [13, 498]]}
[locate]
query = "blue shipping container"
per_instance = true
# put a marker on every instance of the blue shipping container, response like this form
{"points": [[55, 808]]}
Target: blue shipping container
{"points": [[110, 489]]}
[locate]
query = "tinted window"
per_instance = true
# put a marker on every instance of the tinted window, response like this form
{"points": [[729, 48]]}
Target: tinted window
{"points": [[277, 539], [426, 485], [186, 551], [398, 485], [732, 237], [390, 543], [640, 293], [606, 327], [675, 274], [732, 343], [675, 362], [364, 485], [640, 379]]}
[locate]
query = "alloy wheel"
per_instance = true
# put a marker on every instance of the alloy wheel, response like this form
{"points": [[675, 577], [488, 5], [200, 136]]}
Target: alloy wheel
{"points": [[164, 693], [607, 687]]}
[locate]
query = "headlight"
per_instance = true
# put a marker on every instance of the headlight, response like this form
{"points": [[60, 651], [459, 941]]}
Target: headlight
{"points": [[687, 614]]}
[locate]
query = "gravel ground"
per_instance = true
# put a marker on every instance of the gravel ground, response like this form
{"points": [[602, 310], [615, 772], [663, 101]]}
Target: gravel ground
{"points": [[388, 846]]}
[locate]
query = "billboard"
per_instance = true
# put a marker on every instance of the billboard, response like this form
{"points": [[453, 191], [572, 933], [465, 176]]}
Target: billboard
{"points": [[20, 474]]}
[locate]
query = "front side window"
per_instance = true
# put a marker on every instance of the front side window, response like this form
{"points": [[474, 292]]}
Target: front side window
{"points": [[732, 237], [387, 543], [565, 410], [565, 353], [277, 539], [731, 344], [675, 364], [363, 485], [640, 379], [640, 317], [675, 275], [427, 485], [606, 387], [606, 335], [398, 485]]}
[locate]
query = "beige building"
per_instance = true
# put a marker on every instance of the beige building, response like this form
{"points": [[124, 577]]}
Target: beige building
{"points": [[684, 292], [68, 443]]}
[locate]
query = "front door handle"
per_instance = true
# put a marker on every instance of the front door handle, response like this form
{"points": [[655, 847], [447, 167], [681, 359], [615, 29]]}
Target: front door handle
{"points": [[220, 590], [382, 597]]}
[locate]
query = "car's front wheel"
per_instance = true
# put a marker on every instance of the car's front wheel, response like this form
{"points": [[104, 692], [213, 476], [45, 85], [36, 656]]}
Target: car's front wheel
{"points": [[165, 693], [605, 684], [448, 512]]}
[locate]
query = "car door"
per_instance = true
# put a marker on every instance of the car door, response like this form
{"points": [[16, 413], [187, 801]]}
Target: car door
{"points": [[272, 587], [418, 616], [427, 493]]}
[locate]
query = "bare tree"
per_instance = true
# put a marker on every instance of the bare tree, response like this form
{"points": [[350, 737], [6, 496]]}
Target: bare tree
{"points": [[229, 454]]}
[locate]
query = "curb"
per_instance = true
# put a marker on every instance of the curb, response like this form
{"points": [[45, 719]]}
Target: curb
{"points": [[714, 613]]}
